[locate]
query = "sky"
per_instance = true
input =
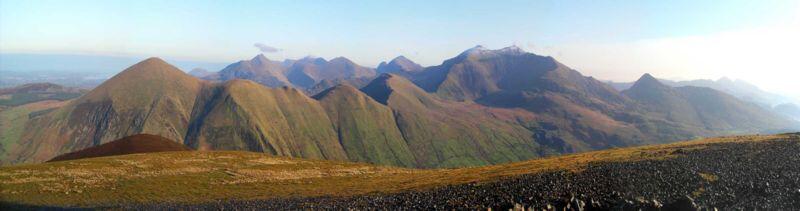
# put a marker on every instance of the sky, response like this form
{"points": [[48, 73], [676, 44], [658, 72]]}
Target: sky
{"points": [[756, 41]]}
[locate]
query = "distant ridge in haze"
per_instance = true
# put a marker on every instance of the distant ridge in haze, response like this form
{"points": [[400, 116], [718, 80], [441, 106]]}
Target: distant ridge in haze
{"points": [[259, 69], [702, 108], [400, 66]]}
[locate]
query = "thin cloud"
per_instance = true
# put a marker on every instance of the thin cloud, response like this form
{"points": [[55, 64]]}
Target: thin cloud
{"points": [[266, 48]]}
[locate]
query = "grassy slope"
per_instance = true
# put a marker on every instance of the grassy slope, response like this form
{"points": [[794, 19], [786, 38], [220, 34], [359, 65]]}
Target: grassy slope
{"points": [[366, 128], [13, 121], [248, 116], [207, 176], [449, 134]]}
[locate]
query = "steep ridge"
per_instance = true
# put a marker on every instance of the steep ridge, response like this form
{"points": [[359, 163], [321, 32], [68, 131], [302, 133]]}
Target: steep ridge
{"points": [[259, 69], [149, 97], [366, 128], [140, 143], [243, 115], [448, 134]]}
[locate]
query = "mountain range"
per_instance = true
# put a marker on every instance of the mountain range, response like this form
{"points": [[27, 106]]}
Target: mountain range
{"points": [[481, 107]]}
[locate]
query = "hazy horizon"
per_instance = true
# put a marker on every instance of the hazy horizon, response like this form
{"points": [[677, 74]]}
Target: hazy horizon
{"points": [[618, 41]]}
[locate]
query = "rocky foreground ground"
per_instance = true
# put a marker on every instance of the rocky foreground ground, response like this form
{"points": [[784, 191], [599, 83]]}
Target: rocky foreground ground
{"points": [[726, 176]]}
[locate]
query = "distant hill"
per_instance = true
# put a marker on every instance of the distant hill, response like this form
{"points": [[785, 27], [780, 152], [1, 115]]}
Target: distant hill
{"points": [[703, 108], [200, 72], [789, 109], [400, 66], [737, 88], [310, 74], [141, 143]]}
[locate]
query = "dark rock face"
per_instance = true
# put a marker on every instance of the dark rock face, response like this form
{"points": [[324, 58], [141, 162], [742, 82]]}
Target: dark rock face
{"points": [[729, 176]]}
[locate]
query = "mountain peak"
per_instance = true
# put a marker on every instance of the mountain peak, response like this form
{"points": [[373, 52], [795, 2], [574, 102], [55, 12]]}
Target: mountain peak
{"points": [[400, 58], [725, 80], [647, 77], [479, 50], [260, 58], [340, 59], [153, 64], [152, 61], [399, 64], [647, 82], [513, 49]]}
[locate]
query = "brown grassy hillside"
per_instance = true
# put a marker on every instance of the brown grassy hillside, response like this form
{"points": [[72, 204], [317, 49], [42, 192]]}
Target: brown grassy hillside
{"points": [[195, 177], [140, 143]]}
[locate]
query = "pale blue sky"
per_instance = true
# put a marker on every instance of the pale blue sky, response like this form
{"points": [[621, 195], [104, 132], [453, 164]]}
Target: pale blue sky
{"points": [[372, 31]]}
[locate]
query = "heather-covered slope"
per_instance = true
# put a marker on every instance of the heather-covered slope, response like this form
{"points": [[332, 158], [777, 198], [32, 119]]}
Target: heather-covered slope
{"points": [[367, 129], [149, 97]]}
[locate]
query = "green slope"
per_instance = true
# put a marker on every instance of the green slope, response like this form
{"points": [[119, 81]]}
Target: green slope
{"points": [[366, 128], [243, 115], [449, 134]]}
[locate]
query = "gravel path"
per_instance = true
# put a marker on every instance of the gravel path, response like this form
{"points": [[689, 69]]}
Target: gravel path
{"points": [[763, 175]]}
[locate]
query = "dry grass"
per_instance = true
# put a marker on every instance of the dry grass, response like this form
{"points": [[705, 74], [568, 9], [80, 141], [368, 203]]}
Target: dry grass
{"points": [[206, 176]]}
